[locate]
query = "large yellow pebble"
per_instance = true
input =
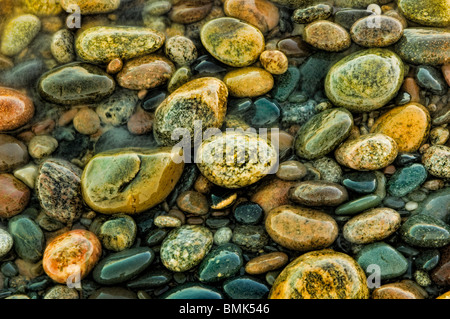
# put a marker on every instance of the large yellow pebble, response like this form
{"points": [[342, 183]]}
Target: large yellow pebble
{"points": [[248, 82]]}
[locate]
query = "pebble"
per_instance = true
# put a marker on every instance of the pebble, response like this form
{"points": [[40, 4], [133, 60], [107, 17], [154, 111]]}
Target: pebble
{"points": [[13, 153], [273, 193], [18, 33], [291, 171], [167, 221], [245, 287], [405, 289], [425, 231], [262, 14], [358, 205], [348, 17], [61, 292], [14, 196], [318, 193], [141, 122], [329, 169], [117, 108], [117, 233], [250, 238], [28, 238], [274, 61], [439, 135], [437, 204], [294, 47], [286, 83], [437, 161], [223, 235], [373, 225], [185, 247], [6, 243], [301, 229], [326, 35], [150, 177], [17, 109], [151, 279], [246, 41], [360, 182], [431, 79], [427, 260], [193, 291], [221, 263], [248, 213], [193, 203], [91, 7], [114, 66], [41, 146], [248, 82], [376, 31], [322, 274], [58, 190], [365, 80], [266, 262], [86, 121], [190, 11], [27, 174], [407, 179], [62, 46], [181, 50], [441, 273], [433, 13], [42, 8], [313, 13]]}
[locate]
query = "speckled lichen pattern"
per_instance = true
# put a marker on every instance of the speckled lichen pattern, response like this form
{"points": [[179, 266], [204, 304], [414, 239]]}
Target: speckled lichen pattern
{"points": [[437, 161], [433, 13], [376, 31], [6, 242], [18, 33], [43, 7], [313, 13], [326, 35], [91, 6], [16, 109]]}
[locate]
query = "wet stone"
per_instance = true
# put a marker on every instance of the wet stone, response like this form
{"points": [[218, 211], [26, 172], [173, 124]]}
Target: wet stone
{"points": [[425, 231], [18, 34], [245, 287], [6, 244], [348, 17], [310, 14], [406, 180], [117, 108], [326, 35], [41, 146], [430, 79], [437, 161], [266, 262], [16, 108], [248, 213], [329, 169], [388, 31], [405, 289], [193, 203], [248, 82], [285, 84], [295, 47], [13, 153], [117, 233], [265, 113], [249, 237], [274, 61], [318, 193], [427, 259], [358, 205], [434, 13], [193, 291], [190, 11], [28, 238], [361, 182], [291, 170], [152, 279], [14, 196], [91, 7], [437, 205], [221, 263]]}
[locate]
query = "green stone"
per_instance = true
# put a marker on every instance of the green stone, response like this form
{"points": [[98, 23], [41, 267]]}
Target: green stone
{"points": [[431, 79], [221, 263], [425, 231], [437, 205], [392, 264], [407, 179], [18, 34], [193, 291], [29, 241], [285, 84], [153, 279], [118, 233], [245, 287], [358, 205], [433, 13], [381, 187], [360, 182], [122, 266], [427, 259], [310, 14], [347, 18], [185, 247], [155, 237], [323, 133], [358, 3], [251, 238]]}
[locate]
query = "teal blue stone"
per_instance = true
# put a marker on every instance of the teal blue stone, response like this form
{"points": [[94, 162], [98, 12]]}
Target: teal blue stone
{"points": [[407, 179], [250, 237], [427, 259], [265, 113], [221, 263], [152, 279], [298, 113], [425, 231], [358, 205], [431, 79], [193, 291], [29, 240], [392, 264], [245, 287], [285, 84], [437, 205], [360, 182], [122, 266], [348, 17], [381, 185]]}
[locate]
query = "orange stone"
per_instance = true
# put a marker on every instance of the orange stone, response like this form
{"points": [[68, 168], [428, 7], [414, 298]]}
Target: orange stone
{"points": [[16, 109], [267, 262], [446, 73], [86, 121], [409, 125], [261, 13], [14, 196], [72, 253], [273, 193], [406, 289], [248, 82], [274, 61], [410, 86], [444, 295]]}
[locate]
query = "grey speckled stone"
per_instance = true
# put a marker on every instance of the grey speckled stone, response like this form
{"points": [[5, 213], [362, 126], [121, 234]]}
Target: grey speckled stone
{"points": [[6, 242]]}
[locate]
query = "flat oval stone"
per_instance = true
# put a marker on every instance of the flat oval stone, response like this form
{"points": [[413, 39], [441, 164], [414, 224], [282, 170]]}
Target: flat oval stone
{"points": [[203, 99], [145, 72], [291, 171], [360, 182], [248, 82], [152, 279], [42, 7], [13, 153], [29, 241], [232, 41], [73, 253], [213, 155], [301, 229], [16, 109], [326, 35], [323, 274], [409, 125], [425, 231], [190, 11], [313, 13], [149, 177], [91, 7], [193, 291], [437, 161], [76, 83], [437, 205], [323, 133], [185, 247], [368, 152], [6, 243], [250, 238], [18, 33], [58, 188], [433, 13], [428, 46], [407, 179], [103, 44], [262, 14], [318, 193], [405, 289], [221, 263], [245, 287], [365, 80], [266, 262], [14, 196], [358, 205], [373, 225], [122, 266], [376, 31]]}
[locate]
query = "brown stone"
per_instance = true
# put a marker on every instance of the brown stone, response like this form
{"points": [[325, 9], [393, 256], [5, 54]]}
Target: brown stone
{"points": [[190, 11], [248, 82], [446, 72], [114, 66], [326, 35], [291, 171], [406, 289], [13, 153], [295, 47], [86, 121], [140, 122], [203, 185], [410, 86], [318, 193], [376, 31], [274, 61], [261, 13], [272, 194], [16, 109], [265, 263], [14, 196], [441, 274], [193, 202]]}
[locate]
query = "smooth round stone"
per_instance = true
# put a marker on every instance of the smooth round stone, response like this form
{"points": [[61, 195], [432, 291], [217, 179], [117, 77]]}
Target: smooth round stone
{"points": [[156, 236], [407, 179], [76, 83], [373, 225], [291, 171], [273, 193], [185, 247], [181, 50], [193, 203], [62, 46], [190, 11], [405, 289], [122, 266], [180, 77], [428, 46], [376, 31], [437, 161], [265, 114], [329, 169], [425, 231], [60, 292], [167, 221], [193, 291], [360, 182], [434, 13], [245, 287], [441, 273], [365, 80], [348, 17], [318, 193], [113, 293], [323, 274], [13, 153], [117, 233], [250, 237], [266, 262], [16, 109], [260, 13], [41, 146], [28, 238], [437, 205], [392, 264], [203, 99], [18, 34], [323, 133], [6, 242], [152, 279], [150, 176], [86, 121], [431, 79], [408, 125], [221, 263], [103, 44], [358, 205], [326, 35], [232, 41], [310, 14], [301, 229], [286, 84], [274, 61], [212, 159], [439, 135], [42, 7], [368, 152], [248, 213], [118, 108], [427, 259], [223, 235], [91, 7], [14, 196], [145, 72], [248, 82], [294, 47], [58, 189]]}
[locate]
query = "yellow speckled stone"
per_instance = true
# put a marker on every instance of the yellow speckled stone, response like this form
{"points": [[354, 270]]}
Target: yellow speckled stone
{"points": [[91, 6], [408, 125], [433, 13], [322, 274], [248, 82], [43, 7]]}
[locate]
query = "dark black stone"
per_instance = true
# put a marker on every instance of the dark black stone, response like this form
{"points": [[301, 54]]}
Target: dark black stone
{"points": [[404, 159], [245, 287], [153, 99], [151, 279], [120, 137], [360, 182], [248, 213]]}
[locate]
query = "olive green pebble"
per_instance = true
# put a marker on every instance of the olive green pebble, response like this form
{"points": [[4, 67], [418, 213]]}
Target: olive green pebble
{"points": [[62, 46], [18, 34], [425, 231], [433, 13], [118, 233]]}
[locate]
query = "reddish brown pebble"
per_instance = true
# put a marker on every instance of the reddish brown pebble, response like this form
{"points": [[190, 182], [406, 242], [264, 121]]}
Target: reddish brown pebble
{"points": [[203, 185], [446, 72], [140, 122], [410, 86], [194, 221], [14, 196], [115, 66], [189, 11], [274, 61], [406, 289], [261, 13], [272, 194], [178, 214], [86, 121], [13, 153], [389, 170], [44, 127], [67, 117], [26, 136], [265, 263], [193, 202], [16, 109], [326, 35], [295, 47]]}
